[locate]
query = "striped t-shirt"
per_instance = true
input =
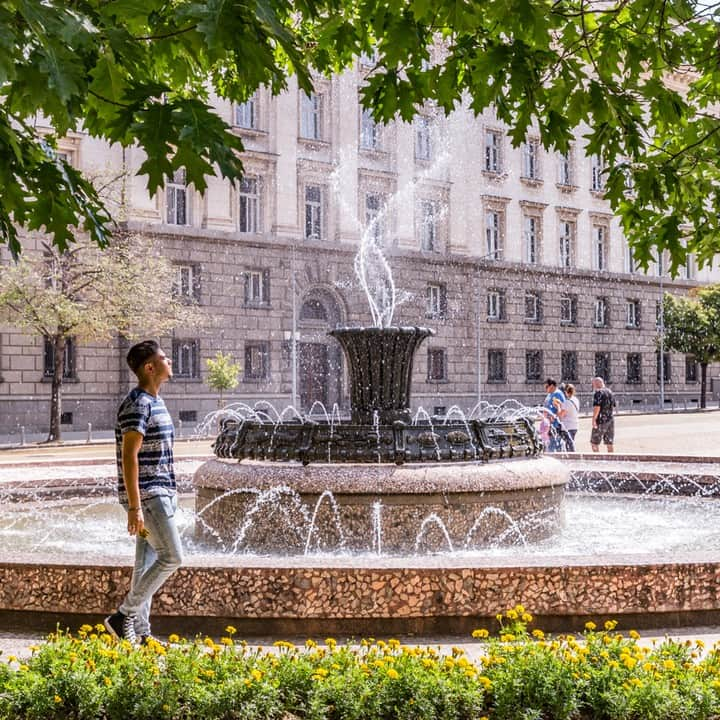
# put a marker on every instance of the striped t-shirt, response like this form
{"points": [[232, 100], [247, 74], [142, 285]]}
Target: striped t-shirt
{"points": [[142, 412]]}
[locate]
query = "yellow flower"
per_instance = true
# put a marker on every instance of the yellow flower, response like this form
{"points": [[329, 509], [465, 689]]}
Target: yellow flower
{"points": [[107, 681], [634, 634], [310, 643], [393, 674], [100, 628], [610, 624], [256, 674], [668, 664], [58, 699], [590, 626], [11, 658], [230, 630], [174, 639], [512, 614], [637, 682], [480, 633], [526, 617], [226, 641], [485, 681], [331, 643]]}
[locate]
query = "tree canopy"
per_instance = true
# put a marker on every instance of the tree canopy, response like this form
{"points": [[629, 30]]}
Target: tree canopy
{"points": [[691, 325], [641, 76], [85, 294]]}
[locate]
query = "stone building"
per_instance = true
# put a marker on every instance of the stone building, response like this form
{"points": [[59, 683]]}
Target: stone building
{"points": [[510, 254]]}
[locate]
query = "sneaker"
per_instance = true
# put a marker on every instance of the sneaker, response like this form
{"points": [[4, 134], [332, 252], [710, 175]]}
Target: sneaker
{"points": [[121, 626], [151, 639]]}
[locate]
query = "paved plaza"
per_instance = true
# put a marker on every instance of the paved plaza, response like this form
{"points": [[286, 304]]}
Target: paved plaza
{"points": [[690, 434]]}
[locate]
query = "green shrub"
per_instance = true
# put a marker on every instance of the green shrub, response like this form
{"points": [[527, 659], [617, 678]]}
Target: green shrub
{"points": [[519, 675]]}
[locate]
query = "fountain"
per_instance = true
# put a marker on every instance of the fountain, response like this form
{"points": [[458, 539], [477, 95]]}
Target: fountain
{"points": [[381, 482]]}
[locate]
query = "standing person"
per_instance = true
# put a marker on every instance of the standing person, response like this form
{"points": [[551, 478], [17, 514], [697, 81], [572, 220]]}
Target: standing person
{"points": [[144, 436], [603, 421], [553, 411], [571, 408]]}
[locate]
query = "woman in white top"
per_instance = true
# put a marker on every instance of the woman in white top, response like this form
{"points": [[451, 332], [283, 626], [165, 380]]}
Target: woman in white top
{"points": [[571, 411]]}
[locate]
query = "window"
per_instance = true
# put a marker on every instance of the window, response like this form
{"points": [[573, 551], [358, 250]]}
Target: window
{"points": [[602, 365], [186, 358], [176, 199], [370, 131], [187, 282], [632, 314], [565, 175], [667, 369], [532, 239], [313, 212], [428, 225], [423, 139], [601, 312], [567, 238], [249, 206], [311, 116], [187, 416], [496, 366], [246, 114], [492, 235], [496, 305], [256, 361], [597, 174], [599, 247], [631, 265], [691, 369], [568, 309], [533, 365], [493, 152], [257, 287], [531, 160], [533, 308], [373, 217], [569, 365], [437, 366], [436, 300], [634, 368], [69, 359]]}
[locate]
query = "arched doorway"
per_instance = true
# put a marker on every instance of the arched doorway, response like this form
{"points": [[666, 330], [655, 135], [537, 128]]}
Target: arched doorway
{"points": [[319, 358]]}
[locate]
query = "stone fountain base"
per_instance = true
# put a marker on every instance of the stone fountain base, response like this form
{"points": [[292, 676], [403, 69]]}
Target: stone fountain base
{"points": [[291, 509]]}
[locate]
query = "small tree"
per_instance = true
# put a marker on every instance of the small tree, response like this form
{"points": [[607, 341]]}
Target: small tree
{"points": [[692, 326], [91, 295], [223, 374]]}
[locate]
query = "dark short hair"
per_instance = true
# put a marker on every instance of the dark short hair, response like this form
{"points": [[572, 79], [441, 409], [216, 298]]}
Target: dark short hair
{"points": [[550, 381], [141, 353]]}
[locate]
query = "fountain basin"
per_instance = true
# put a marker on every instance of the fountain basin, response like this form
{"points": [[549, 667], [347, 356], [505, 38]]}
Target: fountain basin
{"points": [[288, 509]]}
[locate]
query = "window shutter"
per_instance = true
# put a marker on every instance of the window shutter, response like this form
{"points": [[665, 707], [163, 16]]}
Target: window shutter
{"points": [[247, 287], [443, 300], [196, 282], [501, 296], [266, 287]]}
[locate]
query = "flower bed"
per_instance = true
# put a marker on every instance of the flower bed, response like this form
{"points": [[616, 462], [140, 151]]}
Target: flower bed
{"points": [[519, 675]]}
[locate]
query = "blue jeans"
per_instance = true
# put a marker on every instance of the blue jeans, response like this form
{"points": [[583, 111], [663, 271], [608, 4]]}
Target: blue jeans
{"points": [[157, 557]]}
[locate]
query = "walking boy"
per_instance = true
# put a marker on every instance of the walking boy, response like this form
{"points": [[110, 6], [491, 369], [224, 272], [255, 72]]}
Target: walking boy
{"points": [[144, 436]]}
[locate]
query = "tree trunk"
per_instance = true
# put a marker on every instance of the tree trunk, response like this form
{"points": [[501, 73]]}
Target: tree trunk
{"points": [[703, 384], [56, 389]]}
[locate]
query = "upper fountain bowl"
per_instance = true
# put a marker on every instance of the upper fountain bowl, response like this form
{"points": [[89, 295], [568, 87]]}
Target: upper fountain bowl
{"points": [[380, 430]]}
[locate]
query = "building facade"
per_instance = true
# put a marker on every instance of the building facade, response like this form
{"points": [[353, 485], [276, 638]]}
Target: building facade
{"points": [[511, 254]]}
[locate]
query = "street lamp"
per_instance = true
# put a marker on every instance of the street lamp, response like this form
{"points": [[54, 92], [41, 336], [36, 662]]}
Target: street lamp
{"points": [[494, 255], [661, 329]]}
